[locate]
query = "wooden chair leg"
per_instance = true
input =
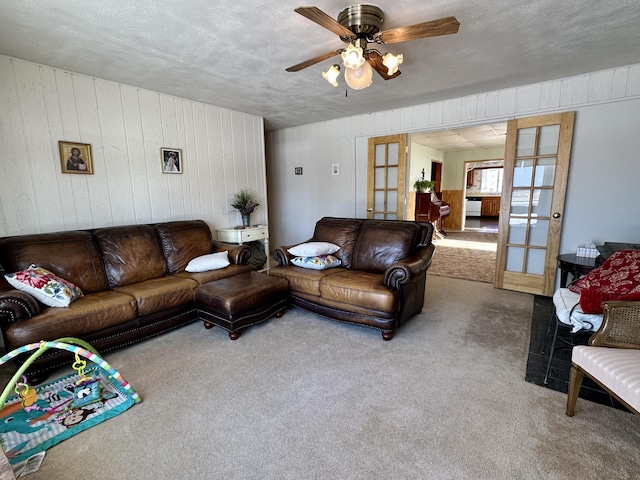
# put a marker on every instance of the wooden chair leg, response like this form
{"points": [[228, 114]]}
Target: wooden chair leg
{"points": [[575, 382]]}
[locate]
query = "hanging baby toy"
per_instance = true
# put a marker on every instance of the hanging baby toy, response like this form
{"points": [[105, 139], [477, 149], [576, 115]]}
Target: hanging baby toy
{"points": [[87, 389]]}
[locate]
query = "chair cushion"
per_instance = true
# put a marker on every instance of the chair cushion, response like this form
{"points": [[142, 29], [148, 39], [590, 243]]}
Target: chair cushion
{"points": [[569, 312], [618, 369]]}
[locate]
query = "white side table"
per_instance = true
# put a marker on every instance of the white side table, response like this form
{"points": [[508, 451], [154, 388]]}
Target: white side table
{"points": [[243, 235]]}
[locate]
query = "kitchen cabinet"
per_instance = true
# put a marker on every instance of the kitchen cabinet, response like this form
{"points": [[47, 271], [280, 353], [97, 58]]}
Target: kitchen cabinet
{"points": [[490, 206]]}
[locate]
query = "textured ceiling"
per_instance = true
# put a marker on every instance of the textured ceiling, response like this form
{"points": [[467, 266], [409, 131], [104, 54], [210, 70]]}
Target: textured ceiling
{"points": [[469, 138], [234, 53]]}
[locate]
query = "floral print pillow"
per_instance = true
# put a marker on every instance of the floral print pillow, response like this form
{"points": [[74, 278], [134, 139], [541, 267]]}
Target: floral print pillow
{"points": [[317, 263], [44, 286]]}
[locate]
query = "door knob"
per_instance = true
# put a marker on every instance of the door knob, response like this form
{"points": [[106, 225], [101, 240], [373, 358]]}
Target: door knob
{"points": [[556, 215], [369, 209]]}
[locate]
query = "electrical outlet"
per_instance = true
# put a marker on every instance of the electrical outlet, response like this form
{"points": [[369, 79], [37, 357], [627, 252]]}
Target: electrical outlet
{"points": [[298, 170]]}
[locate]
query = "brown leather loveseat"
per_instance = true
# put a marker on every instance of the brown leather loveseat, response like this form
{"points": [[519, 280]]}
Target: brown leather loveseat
{"points": [[133, 279], [381, 282]]}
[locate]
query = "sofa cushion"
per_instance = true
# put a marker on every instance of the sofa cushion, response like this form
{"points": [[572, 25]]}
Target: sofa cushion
{"points": [[303, 279], [212, 275], [131, 254], [341, 231], [44, 286], [182, 241], [72, 255], [355, 287], [89, 314], [161, 293], [382, 243]]}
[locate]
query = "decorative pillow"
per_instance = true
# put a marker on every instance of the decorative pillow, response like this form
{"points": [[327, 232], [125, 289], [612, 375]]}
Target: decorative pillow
{"points": [[211, 261], [320, 262], [618, 278], [44, 286], [313, 249]]}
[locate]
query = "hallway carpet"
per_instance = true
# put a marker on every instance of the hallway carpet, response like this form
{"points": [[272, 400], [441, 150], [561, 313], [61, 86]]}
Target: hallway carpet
{"points": [[466, 255]]}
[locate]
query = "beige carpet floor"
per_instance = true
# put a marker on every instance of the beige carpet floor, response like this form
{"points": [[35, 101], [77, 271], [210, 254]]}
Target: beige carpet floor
{"points": [[303, 397], [466, 255]]}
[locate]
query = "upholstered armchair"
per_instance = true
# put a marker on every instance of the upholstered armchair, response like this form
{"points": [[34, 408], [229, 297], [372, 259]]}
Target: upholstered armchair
{"points": [[612, 358]]}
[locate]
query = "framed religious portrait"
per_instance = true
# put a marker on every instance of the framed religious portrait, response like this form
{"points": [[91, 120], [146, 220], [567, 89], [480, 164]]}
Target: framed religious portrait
{"points": [[171, 160], [75, 157]]}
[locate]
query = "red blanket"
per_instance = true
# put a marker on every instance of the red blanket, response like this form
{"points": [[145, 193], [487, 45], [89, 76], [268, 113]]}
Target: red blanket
{"points": [[618, 278]]}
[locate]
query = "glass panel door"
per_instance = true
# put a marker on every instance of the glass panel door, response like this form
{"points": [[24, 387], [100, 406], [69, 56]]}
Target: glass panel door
{"points": [[386, 183], [537, 156]]}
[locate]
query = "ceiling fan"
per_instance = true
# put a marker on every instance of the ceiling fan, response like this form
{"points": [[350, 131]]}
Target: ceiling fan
{"points": [[359, 25]]}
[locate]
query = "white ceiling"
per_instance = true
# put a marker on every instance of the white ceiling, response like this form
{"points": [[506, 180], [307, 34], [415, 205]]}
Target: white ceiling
{"points": [[468, 138], [233, 53]]}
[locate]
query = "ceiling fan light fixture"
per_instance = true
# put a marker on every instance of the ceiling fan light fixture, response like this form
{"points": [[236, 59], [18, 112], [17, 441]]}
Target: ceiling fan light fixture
{"points": [[332, 74], [392, 62], [359, 78], [353, 57]]}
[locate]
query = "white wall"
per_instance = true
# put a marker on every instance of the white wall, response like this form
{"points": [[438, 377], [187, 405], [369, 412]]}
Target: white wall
{"points": [[602, 196], [455, 175], [223, 151], [420, 157]]}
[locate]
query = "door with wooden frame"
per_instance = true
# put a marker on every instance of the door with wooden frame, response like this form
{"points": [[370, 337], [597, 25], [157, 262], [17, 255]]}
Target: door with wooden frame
{"points": [[536, 165], [386, 172]]}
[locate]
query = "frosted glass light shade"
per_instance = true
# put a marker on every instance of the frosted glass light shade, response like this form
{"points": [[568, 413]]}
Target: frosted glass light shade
{"points": [[359, 78], [392, 62], [353, 57], [331, 75]]}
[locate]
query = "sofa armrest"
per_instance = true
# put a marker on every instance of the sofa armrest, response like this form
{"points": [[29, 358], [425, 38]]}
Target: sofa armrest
{"points": [[238, 254], [15, 305], [410, 269], [282, 256]]}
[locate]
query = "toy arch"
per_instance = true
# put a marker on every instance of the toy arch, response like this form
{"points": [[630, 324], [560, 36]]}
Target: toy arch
{"points": [[81, 347]]}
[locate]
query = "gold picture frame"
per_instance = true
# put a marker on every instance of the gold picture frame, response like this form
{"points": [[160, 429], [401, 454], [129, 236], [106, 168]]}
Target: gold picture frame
{"points": [[75, 157], [171, 160]]}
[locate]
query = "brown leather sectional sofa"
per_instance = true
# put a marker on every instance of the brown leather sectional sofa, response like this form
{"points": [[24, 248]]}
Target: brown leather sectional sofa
{"points": [[381, 282], [133, 278]]}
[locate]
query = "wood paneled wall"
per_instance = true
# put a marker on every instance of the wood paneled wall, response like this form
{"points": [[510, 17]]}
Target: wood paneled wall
{"points": [[454, 198], [223, 151]]}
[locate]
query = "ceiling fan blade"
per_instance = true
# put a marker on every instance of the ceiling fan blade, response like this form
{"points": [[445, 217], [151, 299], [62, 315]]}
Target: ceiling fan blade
{"points": [[435, 28], [375, 60], [314, 60], [316, 15]]}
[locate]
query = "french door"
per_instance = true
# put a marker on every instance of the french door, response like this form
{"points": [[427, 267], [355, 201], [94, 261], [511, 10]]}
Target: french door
{"points": [[536, 164], [386, 172]]}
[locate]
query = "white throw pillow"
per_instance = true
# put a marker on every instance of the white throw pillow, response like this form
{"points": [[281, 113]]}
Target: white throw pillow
{"points": [[313, 249], [320, 262], [44, 286], [211, 261]]}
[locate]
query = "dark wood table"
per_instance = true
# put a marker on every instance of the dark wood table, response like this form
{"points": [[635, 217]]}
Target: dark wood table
{"points": [[570, 263]]}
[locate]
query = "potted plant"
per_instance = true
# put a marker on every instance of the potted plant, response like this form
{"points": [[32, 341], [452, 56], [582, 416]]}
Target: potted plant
{"points": [[245, 201], [424, 185]]}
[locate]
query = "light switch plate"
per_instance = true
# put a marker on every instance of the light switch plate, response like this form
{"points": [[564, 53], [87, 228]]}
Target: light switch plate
{"points": [[335, 169]]}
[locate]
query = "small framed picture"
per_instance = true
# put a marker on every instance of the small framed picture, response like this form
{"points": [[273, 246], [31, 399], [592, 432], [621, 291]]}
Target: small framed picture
{"points": [[171, 160], [75, 157]]}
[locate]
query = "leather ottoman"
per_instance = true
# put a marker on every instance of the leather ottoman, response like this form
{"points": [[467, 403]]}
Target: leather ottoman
{"points": [[241, 300]]}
